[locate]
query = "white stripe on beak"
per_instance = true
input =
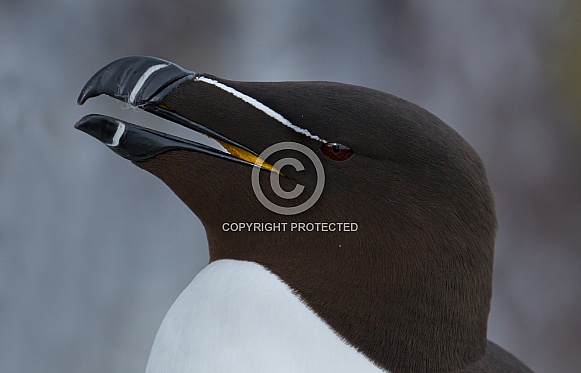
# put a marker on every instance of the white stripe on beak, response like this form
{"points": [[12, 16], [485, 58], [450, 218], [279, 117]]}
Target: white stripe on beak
{"points": [[142, 81], [117, 136], [260, 106]]}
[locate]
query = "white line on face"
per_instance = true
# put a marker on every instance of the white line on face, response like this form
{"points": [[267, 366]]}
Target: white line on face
{"points": [[117, 136], [260, 106], [142, 81]]}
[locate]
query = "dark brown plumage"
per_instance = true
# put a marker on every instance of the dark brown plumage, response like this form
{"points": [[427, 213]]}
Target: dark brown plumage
{"points": [[411, 288]]}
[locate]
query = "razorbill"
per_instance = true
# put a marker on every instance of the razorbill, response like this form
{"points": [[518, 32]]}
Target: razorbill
{"points": [[399, 280]]}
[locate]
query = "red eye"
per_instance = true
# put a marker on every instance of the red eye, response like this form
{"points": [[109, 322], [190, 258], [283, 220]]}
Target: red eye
{"points": [[336, 152]]}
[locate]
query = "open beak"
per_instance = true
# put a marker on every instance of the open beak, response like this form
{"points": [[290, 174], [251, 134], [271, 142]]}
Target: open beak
{"points": [[143, 82]]}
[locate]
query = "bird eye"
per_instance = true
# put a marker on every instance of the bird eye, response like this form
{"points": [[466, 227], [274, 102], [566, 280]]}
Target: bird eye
{"points": [[336, 151]]}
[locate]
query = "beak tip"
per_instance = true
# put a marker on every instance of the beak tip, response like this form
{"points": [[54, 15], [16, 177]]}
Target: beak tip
{"points": [[92, 88], [82, 96], [81, 124]]}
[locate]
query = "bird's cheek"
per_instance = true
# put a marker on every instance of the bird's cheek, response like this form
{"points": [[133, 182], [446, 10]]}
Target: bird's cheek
{"points": [[202, 182]]}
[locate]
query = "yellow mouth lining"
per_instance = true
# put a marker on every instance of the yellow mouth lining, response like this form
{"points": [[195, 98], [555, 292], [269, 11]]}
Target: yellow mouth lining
{"points": [[246, 156], [236, 151]]}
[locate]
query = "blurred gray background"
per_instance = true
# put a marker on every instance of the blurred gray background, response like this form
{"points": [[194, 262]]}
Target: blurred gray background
{"points": [[93, 251]]}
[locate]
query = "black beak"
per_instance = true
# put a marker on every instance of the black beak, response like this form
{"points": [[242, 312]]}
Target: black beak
{"points": [[137, 143], [144, 82], [135, 80]]}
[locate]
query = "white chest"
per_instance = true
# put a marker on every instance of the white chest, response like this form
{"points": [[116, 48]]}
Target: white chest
{"points": [[238, 317]]}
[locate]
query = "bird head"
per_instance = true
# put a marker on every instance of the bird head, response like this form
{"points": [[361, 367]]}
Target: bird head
{"points": [[406, 271]]}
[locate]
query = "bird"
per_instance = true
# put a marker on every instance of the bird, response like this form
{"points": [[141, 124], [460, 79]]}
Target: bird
{"points": [[389, 269]]}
